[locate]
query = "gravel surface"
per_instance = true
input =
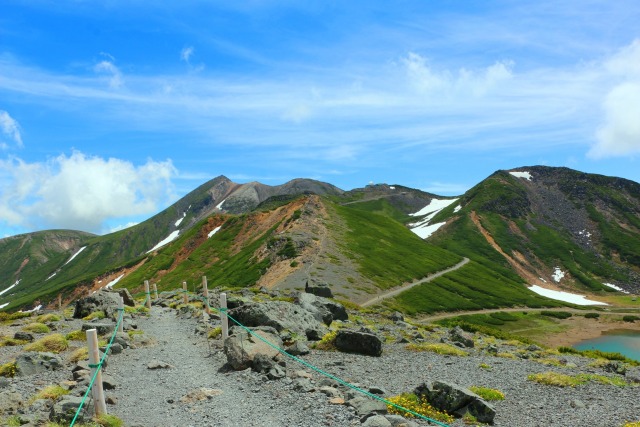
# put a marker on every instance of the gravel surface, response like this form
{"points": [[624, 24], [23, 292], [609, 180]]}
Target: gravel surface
{"points": [[152, 397]]}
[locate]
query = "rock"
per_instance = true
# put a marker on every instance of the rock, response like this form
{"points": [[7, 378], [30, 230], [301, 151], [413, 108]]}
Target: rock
{"points": [[303, 385], [456, 400], [108, 382], [330, 391], [366, 406], [492, 349], [200, 394], [615, 368], [534, 347], [65, 409], [158, 365], [241, 347], [458, 335], [396, 316], [35, 362], [319, 289], [10, 402], [100, 301], [400, 421], [127, 299], [377, 390], [4, 383], [336, 401], [358, 342], [577, 404], [24, 336], [116, 348], [323, 309], [280, 315], [633, 375], [298, 348], [377, 421], [102, 328], [262, 363]]}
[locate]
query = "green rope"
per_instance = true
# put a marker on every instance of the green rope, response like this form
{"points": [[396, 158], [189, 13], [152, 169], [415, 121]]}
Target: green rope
{"points": [[98, 366], [326, 374]]}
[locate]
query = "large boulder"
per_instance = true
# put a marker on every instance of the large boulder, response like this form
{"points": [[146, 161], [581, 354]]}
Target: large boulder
{"points": [[65, 409], [35, 362], [10, 402], [319, 289], [323, 309], [242, 348], [280, 315], [108, 302], [362, 342], [127, 299], [459, 337], [456, 400]]}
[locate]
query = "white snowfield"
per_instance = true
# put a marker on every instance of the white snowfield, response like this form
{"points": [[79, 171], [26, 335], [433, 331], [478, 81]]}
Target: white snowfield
{"points": [[4, 305], [524, 175], [10, 287], [113, 282], [214, 231], [423, 228], [178, 222], [557, 275], [219, 205], [170, 238], [564, 296], [74, 255], [36, 308], [617, 288]]}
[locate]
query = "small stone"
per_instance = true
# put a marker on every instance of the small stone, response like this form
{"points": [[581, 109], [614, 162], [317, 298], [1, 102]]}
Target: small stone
{"points": [[336, 401], [158, 365]]}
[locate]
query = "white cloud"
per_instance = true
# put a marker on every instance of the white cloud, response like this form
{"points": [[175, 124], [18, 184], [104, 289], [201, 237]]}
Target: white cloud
{"points": [[10, 129], [619, 135], [80, 192], [109, 68], [185, 53]]}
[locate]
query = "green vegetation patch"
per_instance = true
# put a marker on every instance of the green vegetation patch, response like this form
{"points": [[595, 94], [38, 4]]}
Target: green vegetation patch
{"points": [[564, 380], [556, 314], [472, 287], [54, 343], [37, 328], [399, 405], [386, 251], [52, 392], [597, 354], [8, 370], [439, 348], [489, 394]]}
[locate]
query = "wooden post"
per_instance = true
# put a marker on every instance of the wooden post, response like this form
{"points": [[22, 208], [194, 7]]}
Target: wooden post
{"points": [[184, 292], [155, 290], [205, 293], [121, 311], [94, 359], [59, 302], [224, 320], [146, 291]]}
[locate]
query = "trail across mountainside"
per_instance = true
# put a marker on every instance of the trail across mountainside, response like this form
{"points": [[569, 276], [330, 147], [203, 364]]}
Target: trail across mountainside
{"points": [[396, 291]]}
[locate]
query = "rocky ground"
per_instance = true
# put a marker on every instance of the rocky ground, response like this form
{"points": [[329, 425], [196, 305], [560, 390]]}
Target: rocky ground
{"points": [[166, 372]]}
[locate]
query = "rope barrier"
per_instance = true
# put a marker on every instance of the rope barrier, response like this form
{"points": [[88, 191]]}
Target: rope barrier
{"points": [[98, 366], [328, 375]]}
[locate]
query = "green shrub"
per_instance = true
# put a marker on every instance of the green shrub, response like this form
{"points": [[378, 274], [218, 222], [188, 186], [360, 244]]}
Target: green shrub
{"points": [[487, 393], [95, 315], [214, 333], [8, 370], [630, 318], [556, 314], [11, 342], [415, 404], [591, 315], [79, 354], [37, 328], [555, 379], [52, 392], [78, 335], [327, 343], [439, 348], [50, 317], [597, 354], [54, 343], [5, 317]]}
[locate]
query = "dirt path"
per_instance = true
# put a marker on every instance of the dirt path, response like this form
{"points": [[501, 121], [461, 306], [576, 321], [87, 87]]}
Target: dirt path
{"points": [[156, 397], [396, 291]]}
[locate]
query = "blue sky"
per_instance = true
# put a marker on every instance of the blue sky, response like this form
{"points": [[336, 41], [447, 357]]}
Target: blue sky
{"points": [[110, 111]]}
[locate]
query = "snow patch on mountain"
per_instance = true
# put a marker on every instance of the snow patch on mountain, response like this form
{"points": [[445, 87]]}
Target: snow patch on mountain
{"points": [[170, 238], [617, 288], [423, 228], [10, 287], [524, 175], [214, 231], [557, 275], [564, 296], [75, 255], [178, 222]]}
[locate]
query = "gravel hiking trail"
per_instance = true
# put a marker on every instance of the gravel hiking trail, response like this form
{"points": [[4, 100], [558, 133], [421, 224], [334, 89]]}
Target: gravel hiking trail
{"points": [[156, 397], [396, 291]]}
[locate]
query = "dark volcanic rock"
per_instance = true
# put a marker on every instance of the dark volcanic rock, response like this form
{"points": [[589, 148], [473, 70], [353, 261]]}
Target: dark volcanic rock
{"points": [[358, 342]]}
